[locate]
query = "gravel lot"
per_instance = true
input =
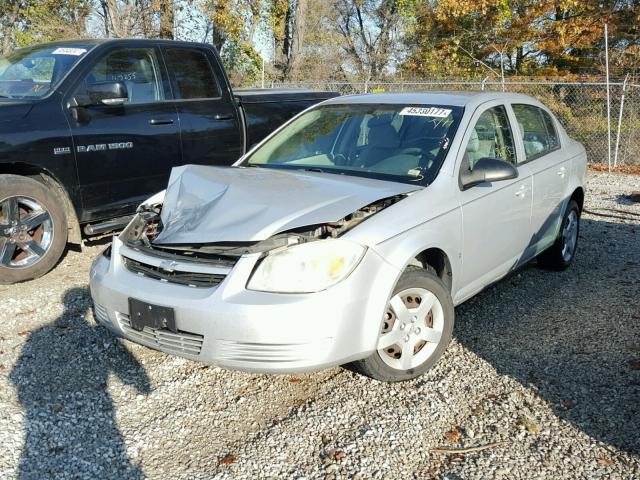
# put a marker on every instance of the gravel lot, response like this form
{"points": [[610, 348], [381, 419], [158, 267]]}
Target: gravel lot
{"points": [[546, 363]]}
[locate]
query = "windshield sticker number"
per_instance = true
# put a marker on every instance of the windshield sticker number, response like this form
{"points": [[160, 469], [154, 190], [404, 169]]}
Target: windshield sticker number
{"points": [[426, 112], [69, 51]]}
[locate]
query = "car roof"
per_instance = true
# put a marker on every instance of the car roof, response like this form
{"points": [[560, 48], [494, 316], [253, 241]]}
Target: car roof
{"points": [[450, 98], [87, 42]]}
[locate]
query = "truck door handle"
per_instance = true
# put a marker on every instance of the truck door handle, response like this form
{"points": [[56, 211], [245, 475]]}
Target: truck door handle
{"points": [[161, 121], [222, 116], [562, 172], [521, 191]]}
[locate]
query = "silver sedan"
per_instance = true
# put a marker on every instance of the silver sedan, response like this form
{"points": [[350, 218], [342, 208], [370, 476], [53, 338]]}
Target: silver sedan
{"points": [[348, 236]]}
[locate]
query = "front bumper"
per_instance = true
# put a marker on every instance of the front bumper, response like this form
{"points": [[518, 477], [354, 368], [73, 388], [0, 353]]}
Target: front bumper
{"points": [[233, 327]]}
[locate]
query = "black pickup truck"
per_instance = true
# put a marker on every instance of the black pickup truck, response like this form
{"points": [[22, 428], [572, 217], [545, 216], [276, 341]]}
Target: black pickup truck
{"points": [[90, 128]]}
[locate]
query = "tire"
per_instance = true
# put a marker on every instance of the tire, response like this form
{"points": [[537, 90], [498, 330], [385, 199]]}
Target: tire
{"points": [[560, 255], [33, 229], [435, 324]]}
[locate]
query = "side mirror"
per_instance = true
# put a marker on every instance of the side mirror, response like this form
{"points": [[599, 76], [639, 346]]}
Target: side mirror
{"points": [[487, 170], [106, 93]]}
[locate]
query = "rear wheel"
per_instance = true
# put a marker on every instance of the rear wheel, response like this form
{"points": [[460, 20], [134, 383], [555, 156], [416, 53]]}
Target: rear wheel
{"points": [[560, 255], [33, 229], [417, 327]]}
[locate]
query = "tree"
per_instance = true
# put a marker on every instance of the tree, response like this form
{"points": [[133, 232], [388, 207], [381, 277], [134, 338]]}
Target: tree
{"points": [[371, 31], [166, 18], [552, 37], [233, 25]]}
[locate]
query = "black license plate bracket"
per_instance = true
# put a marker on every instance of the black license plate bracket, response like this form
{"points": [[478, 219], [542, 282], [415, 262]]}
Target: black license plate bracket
{"points": [[143, 314]]}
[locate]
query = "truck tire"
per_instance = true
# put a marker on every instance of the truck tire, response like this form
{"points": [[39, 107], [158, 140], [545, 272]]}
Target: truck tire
{"points": [[418, 323], [33, 229], [560, 255]]}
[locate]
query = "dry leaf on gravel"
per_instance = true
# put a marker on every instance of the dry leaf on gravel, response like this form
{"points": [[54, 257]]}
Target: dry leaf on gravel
{"points": [[337, 455], [295, 379], [227, 459], [453, 435], [605, 462], [324, 439]]}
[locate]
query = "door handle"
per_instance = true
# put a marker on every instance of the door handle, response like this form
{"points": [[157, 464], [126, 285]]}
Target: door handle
{"points": [[222, 116], [161, 121], [562, 172], [521, 192]]}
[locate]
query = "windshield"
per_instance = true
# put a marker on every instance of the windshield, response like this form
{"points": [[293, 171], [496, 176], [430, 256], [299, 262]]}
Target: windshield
{"points": [[33, 72], [402, 143]]}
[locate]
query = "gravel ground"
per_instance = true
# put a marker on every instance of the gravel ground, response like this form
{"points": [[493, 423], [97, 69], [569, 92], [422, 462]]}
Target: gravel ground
{"points": [[546, 364]]}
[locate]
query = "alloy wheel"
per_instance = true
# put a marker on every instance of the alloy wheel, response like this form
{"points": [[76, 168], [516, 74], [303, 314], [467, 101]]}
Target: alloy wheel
{"points": [[570, 235], [26, 231]]}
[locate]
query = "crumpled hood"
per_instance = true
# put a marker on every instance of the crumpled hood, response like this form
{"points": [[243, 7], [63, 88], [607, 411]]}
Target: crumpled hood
{"points": [[230, 204]]}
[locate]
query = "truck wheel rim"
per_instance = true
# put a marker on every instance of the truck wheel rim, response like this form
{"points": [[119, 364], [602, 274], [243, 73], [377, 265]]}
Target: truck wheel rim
{"points": [[26, 232], [411, 329], [570, 236]]}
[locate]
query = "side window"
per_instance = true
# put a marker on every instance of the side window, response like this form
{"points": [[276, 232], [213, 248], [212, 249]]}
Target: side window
{"points": [[192, 74], [492, 138], [137, 68], [551, 130], [537, 130]]}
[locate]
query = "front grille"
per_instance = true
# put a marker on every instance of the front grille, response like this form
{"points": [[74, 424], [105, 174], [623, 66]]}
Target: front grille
{"points": [[191, 279], [180, 343]]}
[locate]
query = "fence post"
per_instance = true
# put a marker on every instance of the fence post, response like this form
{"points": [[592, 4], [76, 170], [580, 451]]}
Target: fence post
{"points": [[606, 54], [624, 87]]}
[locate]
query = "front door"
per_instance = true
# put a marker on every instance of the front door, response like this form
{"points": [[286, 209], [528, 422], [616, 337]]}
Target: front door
{"points": [[125, 153], [496, 215]]}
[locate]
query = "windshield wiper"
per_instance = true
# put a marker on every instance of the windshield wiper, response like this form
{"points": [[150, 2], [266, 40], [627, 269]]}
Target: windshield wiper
{"points": [[314, 169]]}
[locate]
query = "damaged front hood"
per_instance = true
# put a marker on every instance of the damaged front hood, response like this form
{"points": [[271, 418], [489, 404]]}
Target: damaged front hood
{"points": [[230, 204]]}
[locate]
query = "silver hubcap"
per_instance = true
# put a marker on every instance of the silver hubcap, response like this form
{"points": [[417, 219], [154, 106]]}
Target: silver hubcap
{"points": [[570, 236], [411, 329], [26, 232]]}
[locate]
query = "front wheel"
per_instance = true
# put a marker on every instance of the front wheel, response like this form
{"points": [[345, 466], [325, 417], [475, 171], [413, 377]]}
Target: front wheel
{"points": [[560, 255], [416, 329], [33, 229]]}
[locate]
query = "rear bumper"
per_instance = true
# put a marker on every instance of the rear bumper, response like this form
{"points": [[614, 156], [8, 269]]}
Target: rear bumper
{"points": [[236, 328]]}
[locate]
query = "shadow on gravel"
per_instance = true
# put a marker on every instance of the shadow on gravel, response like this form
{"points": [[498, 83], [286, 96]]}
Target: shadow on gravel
{"points": [[61, 379], [573, 336]]}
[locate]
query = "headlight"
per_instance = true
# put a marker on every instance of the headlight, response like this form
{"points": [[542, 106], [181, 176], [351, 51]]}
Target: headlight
{"points": [[307, 267]]}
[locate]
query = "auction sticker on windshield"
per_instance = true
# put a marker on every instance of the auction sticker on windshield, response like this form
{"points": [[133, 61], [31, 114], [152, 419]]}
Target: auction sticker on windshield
{"points": [[426, 112], [69, 51]]}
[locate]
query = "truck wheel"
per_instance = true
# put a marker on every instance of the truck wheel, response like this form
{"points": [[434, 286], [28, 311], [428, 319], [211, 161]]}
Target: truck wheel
{"points": [[415, 331], [33, 229], [560, 255]]}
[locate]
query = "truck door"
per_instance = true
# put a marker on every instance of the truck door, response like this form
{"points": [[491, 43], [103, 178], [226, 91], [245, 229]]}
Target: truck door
{"points": [[125, 152], [212, 133]]}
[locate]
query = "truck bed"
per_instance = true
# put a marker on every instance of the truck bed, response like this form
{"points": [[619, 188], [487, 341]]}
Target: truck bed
{"points": [[266, 109]]}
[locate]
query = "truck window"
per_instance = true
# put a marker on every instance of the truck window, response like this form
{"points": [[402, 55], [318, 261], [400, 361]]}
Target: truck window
{"points": [[137, 68], [191, 72]]}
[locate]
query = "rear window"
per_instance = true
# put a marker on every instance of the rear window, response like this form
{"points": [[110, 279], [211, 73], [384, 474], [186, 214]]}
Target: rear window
{"points": [[536, 129], [191, 72]]}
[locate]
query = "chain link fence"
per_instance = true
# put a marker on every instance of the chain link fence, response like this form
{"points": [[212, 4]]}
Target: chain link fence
{"points": [[581, 107]]}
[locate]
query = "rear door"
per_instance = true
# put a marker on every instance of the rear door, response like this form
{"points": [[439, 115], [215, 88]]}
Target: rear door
{"points": [[124, 153], [496, 215], [550, 171], [211, 130]]}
